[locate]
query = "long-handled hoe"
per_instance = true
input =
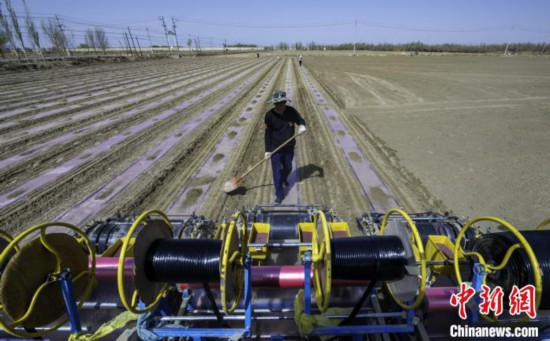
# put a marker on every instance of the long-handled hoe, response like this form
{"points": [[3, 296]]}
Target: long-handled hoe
{"points": [[233, 184]]}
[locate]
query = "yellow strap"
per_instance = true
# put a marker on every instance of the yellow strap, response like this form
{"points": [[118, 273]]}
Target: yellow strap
{"points": [[307, 323], [107, 328]]}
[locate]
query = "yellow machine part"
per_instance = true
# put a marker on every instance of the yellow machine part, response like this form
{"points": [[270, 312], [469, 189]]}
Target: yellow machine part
{"points": [[220, 231], [305, 235], [339, 230], [259, 234], [114, 250], [440, 248]]}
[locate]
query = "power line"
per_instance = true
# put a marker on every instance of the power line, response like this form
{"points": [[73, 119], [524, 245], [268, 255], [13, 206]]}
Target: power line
{"points": [[266, 26], [116, 29]]}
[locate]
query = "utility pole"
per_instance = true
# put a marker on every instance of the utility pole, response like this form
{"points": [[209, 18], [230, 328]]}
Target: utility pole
{"points": [[139, 46], [150, 42], [355, 38], [132, 39], [508, 42], [63, 35], [176, 35], [544, 46], [128, 43], [165, 32]]}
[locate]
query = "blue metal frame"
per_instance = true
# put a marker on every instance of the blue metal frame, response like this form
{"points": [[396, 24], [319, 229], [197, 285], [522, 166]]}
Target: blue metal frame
{"points": [[199, 333], [477, 281], [307, 282], [64, 279], [358, 330]]}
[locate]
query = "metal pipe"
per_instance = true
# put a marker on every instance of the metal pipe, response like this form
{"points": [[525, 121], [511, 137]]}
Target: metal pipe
{"points": [[271, 317], [444, 262], [279, 245], [285, 276], [102, 305]]}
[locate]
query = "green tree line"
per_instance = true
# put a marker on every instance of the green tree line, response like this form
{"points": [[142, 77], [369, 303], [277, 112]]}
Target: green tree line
{"points": [[422, 47]]}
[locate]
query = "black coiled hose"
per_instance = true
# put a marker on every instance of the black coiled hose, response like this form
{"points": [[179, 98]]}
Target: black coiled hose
{"points": [[519, 270], [437, 228], [380, 258], [183, 260]]}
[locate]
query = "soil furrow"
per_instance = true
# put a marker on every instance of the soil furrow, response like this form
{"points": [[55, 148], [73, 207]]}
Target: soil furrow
{"points": [[64, 190], [107, 113], [94, 134]]}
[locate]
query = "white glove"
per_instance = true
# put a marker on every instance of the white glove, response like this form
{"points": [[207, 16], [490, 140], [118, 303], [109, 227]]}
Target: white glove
{"points": [[301, 129], [267, 155]]}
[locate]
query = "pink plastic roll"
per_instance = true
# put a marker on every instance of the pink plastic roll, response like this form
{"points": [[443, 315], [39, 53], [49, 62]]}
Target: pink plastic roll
{"points": [[292, 277], [106, 268], [274, 276], [438, 299]]}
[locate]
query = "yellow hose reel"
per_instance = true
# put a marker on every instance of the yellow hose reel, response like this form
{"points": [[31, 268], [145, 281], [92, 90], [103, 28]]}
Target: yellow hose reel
{"points": [[415, 250], [523, 244], [231, 269], [322, 262], [31, 296]]}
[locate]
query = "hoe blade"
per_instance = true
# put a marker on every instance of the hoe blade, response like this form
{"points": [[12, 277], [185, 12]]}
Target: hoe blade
{"points": [[231, 185]]}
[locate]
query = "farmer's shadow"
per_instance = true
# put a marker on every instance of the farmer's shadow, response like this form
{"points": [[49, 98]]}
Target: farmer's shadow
{"points": [[297, 175], [310, 171], [242, 190]]}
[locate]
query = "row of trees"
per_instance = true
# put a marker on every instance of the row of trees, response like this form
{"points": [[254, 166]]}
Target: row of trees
{"points": [[20, 42], [11, 34], [96, 39], [421, 47]]}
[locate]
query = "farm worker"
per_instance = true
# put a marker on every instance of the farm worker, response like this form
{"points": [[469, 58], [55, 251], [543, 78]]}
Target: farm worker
{"points": [[279, 127], [300, 60]]}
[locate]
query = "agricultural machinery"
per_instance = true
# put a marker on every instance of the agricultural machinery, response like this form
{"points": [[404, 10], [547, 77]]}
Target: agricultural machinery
{"points": [[275, 272]]}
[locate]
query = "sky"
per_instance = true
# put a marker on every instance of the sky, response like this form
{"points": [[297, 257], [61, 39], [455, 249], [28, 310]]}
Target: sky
{"points": [[266, 23]]}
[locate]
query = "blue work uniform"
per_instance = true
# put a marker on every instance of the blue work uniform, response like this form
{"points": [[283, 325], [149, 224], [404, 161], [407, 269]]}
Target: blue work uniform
{"points": [[278, 129]]}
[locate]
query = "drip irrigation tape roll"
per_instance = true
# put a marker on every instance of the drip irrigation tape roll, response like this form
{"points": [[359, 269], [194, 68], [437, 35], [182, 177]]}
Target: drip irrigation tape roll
{"points": [[284, 225], [519, 270], [380, 258], [183, 260], [426, 229]]}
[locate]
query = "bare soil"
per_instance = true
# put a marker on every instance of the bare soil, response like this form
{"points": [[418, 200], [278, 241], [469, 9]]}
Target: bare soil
{"points": [[472, 129], [467, 134]]}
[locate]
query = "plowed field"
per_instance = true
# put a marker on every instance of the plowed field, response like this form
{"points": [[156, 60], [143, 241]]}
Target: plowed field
{"points": [[463, 134]]}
